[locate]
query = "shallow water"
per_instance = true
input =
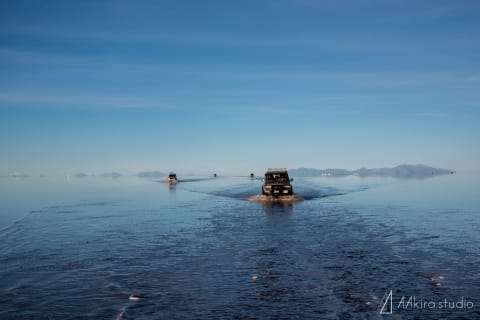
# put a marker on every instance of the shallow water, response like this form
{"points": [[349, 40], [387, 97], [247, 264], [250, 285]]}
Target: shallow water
{"points": [[139, 249]]}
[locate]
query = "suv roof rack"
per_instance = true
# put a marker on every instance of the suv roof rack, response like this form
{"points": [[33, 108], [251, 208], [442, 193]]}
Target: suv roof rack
{"points": [[276, 170]]}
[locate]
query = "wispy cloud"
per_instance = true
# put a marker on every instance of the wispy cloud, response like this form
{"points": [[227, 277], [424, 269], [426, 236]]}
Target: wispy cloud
{"points": [[318, 40], [212, 70], [326, 42], [430, 114], [77, 99]]}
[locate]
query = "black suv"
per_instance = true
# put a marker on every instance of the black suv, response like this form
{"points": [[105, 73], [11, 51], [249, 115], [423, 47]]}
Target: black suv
{"points": [[172, 178], [277, 182]]}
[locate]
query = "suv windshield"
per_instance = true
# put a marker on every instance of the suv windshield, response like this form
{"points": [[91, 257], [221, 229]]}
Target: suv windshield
{"points": [[276, 177]]}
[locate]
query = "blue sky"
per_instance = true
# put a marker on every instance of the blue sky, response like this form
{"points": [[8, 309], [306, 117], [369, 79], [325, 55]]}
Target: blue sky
{"points": [[238, 86]]}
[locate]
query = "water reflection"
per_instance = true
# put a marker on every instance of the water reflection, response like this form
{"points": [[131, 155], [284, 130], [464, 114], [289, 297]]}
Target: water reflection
{"points": [[277, 207], [172, 188]]}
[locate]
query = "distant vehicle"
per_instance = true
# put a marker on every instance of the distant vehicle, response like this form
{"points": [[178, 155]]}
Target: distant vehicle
{"points": [[172, 178], [214, 175], [252, 175], [277, 182]]}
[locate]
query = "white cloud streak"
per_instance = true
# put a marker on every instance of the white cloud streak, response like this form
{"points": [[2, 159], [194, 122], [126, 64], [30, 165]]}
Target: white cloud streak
{"points": [[77, 99]]}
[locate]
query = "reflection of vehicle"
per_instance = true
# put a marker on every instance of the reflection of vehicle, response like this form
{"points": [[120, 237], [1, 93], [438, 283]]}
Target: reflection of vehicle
{"points": [[276, 182], [172, 178]]}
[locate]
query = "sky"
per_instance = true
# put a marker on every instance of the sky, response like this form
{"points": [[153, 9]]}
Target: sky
{"points": [[235, 87]]}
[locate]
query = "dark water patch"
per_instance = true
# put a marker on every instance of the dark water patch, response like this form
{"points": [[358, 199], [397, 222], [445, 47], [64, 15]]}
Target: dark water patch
{"points": [[67, 211], [251, 192], [239, 192], [38, 211], [424, 238], [83, 204]]}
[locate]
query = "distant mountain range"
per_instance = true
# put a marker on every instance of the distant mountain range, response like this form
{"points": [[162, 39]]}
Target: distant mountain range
{"points": [[81, 175], [15, 175], [418, 171], [406, 171]]}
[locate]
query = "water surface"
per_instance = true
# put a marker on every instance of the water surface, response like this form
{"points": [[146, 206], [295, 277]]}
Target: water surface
{"points": [[132, 248]]}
